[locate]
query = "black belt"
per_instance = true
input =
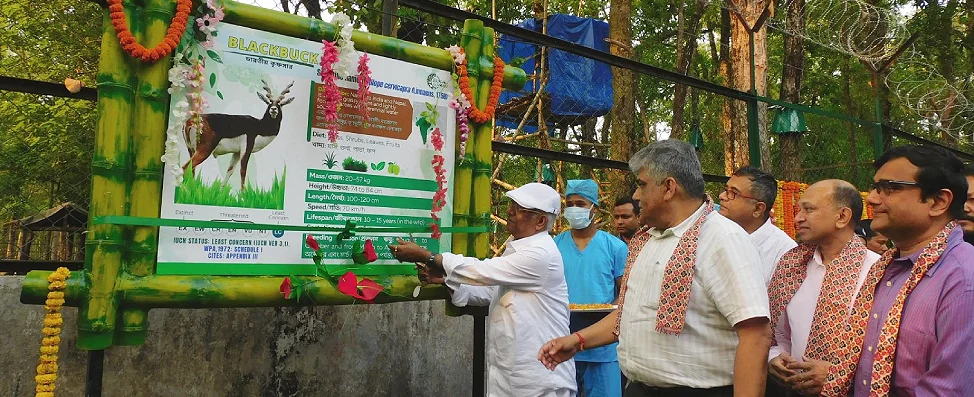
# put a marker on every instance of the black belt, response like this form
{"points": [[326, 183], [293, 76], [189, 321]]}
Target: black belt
{"points": [[684, 391]]}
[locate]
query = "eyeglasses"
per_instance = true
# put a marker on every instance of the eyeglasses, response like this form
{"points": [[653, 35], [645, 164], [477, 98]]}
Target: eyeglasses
{"points": [[886, 186], [734, 193], [513, 206]]}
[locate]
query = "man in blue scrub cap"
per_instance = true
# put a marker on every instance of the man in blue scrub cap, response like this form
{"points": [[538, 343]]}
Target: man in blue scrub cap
{"points": [[594, 262]]}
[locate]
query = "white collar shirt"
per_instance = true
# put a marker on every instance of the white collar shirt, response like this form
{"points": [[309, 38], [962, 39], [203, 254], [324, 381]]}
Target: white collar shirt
{"points": [[528, 297], [795, 325], [726, 290], [772, 243]]}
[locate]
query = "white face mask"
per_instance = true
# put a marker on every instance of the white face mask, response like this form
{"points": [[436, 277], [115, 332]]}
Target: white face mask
{"points": [[578, 217]]}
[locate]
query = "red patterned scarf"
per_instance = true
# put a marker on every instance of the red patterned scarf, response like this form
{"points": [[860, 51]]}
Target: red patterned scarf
{"points": [[677, 277], [841, 375], [838, 291]]}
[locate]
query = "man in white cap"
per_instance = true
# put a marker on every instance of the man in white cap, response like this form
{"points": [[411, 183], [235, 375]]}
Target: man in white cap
{"points": [[525, 289], [594, 262]]}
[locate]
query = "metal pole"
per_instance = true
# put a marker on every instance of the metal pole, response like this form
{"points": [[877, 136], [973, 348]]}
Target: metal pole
{"points": [[878, 136], [96, 370], [390, 9], [479, 356]]}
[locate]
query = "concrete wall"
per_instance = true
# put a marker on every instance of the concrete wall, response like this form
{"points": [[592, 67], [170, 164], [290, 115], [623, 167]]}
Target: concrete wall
{"points": [[401, 349]]}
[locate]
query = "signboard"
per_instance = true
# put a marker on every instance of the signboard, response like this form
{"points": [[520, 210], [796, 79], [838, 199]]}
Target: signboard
{"points": [[378, 173]]}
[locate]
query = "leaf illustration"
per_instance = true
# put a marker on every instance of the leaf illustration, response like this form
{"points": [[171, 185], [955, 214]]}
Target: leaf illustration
{"points": [[424, 127], [214, 56], [212, 79], [378, 166], [219, 94]]}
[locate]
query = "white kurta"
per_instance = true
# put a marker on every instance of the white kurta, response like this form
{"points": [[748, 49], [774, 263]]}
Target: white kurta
{"points": [[528, 298], [772, 243]]}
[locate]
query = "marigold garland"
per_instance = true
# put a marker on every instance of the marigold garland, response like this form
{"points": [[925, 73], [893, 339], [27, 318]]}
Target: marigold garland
{"points": [[47, 369], [176, 28], [463, 81]]}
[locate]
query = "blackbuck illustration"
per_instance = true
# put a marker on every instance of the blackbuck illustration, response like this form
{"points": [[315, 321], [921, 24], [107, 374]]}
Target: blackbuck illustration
{"points": [[237, 134]]}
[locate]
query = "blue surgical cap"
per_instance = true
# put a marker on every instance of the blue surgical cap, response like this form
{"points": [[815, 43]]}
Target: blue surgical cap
{"points": [[586, 188]]}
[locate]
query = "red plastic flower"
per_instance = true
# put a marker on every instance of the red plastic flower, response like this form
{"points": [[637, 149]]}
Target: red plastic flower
{"points": [[365, 290], [312, 243], [286, 288], [369, 251]]}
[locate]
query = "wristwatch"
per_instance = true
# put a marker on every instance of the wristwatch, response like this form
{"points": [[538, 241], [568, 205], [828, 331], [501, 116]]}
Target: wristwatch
{"points": [[432, 259]]}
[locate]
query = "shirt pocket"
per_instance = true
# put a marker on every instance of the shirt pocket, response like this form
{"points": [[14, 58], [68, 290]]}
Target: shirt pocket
{"points": [[914, 344]]}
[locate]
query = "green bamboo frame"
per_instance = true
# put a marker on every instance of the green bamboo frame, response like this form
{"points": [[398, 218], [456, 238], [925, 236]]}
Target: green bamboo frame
{"points": [[119, 285]]}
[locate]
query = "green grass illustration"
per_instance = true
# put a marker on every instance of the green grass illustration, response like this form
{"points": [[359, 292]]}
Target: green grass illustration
{"points": [[194, 191]]}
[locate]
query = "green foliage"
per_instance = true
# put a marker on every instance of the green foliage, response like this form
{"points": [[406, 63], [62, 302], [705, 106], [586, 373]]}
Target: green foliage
{"points": [[330, 161], [45, 142], [194, 191], [351, 164]]}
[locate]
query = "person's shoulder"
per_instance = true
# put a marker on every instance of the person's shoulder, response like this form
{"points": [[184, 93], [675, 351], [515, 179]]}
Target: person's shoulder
{"points": [[722, 226], [960, 265], [611, 239], [563, 235]]}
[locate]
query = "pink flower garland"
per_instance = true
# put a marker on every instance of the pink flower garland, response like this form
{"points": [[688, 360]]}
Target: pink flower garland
{"points": [[332, 96], [439, 198], [463, 125], [364, 79]]}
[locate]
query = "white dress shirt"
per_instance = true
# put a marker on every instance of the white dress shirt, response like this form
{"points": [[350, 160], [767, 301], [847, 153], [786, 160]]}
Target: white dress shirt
{"points": [[772, 243], [528, 297], [795, 325], [726, 290]]}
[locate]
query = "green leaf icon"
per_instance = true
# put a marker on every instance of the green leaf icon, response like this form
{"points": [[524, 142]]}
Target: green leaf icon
{"points": [[214, 56], [212, 79]]}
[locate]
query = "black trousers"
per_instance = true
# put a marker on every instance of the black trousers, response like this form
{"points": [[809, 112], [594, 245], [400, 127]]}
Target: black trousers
{"points": [[641, 390]]}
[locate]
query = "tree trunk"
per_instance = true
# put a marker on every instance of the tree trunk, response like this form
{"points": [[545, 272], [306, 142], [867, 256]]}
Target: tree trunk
{"points": [[791, 83], [850, 109], [686, 42], [727, 110], [750, 10], [623, 105], [587, 135]]}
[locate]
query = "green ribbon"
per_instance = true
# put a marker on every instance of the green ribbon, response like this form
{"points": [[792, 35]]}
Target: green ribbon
{"points": [[157, 222]]}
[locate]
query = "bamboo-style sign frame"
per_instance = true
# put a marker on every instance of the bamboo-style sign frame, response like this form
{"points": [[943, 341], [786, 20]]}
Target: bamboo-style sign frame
{"points": [[118, 284]]}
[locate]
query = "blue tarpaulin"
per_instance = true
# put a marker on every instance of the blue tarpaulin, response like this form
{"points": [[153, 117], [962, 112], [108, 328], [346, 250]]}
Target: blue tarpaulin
{"points": [[577, 86]]}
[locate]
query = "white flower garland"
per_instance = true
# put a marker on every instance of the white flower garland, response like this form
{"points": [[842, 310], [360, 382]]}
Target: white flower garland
{"points": [[347, 57], [178, 76]]}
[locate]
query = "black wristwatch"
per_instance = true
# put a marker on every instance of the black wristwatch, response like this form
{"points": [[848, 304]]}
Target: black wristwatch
{"points": [[432, 259]]}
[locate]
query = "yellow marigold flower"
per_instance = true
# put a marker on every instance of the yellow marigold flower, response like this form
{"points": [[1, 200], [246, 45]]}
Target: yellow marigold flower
{"points": [[44, 394], [46, 378], [55, 295], [51, 340], [48, 350], [54, 302], [53, 322], [45, 388], [47, 368]]}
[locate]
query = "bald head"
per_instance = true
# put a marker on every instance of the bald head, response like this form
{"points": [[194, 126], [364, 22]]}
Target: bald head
{"points": [[828, 211], [843, 195]]}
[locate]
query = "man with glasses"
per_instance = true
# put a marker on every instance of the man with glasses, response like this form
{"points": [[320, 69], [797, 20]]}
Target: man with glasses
{"points": [[693, 310], [747, 200], [910, 330], [814, 285], [968, 222], [525, 289]]}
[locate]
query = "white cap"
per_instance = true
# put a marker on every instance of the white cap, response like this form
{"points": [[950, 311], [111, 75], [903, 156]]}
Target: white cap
{"points": [[537, 196]]}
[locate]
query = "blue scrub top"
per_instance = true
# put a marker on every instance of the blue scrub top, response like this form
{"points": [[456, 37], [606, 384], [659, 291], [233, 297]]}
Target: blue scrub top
{"points": [[591, 279]]}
